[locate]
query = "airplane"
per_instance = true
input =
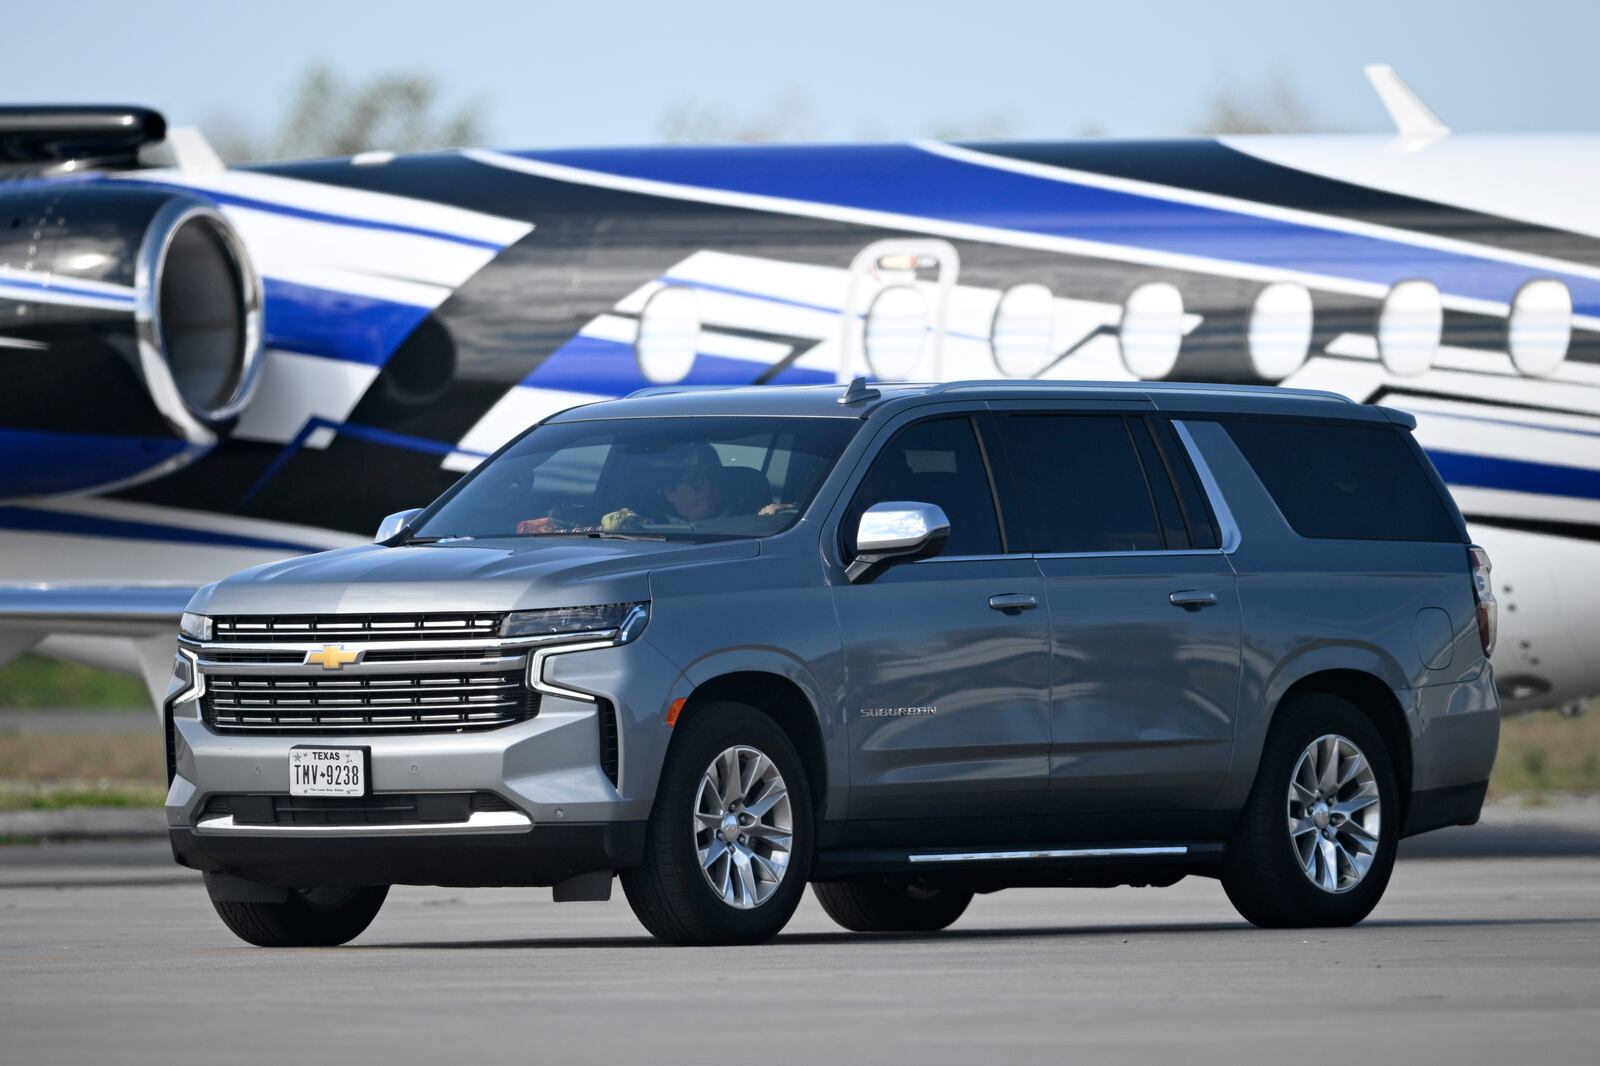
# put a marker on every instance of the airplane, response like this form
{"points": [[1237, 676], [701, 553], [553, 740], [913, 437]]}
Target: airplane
{"points": [[207, 368]]}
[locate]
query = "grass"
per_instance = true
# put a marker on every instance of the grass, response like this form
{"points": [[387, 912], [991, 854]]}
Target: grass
{"points": [[1543, 752], [120, 758], [72, 796], [33, 683]]}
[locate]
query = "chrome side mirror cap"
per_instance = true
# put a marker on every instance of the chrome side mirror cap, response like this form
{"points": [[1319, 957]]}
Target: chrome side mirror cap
{"points": [[897, 531], [390, 527]]}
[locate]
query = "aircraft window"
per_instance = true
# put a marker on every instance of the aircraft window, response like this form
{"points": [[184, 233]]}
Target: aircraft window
{"points": [[1540, 327], [1152, 330], [669, 335], [1023, 333], [1280, 330], [897, 334], [1410, 326]]}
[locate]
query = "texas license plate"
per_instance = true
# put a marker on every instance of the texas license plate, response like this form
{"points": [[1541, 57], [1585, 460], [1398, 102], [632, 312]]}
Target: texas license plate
{"points": [[327, 771]]}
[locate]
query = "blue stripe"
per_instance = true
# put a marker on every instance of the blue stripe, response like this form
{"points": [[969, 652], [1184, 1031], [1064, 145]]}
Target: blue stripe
{"points": [[611, 368], [43, 463], [336, 325], [372, 434], [56, 285], [905, 180], [235, 200], [30, 520], [1516, 475]]}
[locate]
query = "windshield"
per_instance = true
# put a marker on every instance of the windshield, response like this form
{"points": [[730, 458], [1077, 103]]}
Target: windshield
{"points": [[699, 478]]}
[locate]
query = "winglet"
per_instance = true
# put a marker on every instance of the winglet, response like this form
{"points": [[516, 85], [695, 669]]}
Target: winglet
{"points": [[1412, 117], [193, 152]]}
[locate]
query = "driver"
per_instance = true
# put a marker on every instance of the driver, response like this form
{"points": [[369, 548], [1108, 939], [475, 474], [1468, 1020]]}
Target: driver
{"points": [[692, 485]]}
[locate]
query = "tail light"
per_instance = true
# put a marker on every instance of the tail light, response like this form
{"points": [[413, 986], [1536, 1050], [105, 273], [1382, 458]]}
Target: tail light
{"points": [[1483, 593]]}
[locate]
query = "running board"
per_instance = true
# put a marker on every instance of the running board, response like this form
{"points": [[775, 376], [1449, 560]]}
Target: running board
{"points": [[836, 862]]}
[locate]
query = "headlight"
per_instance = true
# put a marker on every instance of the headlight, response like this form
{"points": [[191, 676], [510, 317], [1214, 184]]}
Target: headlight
{"points": [[625, 620], [195, 626]]}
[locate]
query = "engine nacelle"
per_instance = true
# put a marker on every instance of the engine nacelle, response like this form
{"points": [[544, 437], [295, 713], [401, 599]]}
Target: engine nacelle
{"points": [[130, 331]]}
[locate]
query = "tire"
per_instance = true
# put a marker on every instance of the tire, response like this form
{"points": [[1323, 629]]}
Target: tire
{"points": [[1276, 870], [686, 847], [892, 904], [309, 918]]}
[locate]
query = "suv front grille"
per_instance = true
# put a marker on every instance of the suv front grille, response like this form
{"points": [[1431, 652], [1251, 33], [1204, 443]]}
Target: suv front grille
{"points": [[253, 703], [299, 628]]}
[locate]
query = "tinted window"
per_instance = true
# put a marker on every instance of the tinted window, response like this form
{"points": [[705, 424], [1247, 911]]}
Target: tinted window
{"points": [[1082, 484], [1196, 510], [936, 462], [663, 477], [1173, 531], [1345, 482]]}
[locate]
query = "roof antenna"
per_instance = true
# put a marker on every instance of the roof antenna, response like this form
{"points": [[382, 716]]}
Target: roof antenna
{"points": [[1412, 117], [858, 392]]}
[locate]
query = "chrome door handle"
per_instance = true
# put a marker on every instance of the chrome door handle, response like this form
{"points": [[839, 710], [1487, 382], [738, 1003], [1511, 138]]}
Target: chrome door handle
{"points": [[1192, 599], [1013, 602]]}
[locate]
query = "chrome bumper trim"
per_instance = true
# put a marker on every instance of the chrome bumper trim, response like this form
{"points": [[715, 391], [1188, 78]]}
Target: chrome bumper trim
{"points": [[477, 822]]}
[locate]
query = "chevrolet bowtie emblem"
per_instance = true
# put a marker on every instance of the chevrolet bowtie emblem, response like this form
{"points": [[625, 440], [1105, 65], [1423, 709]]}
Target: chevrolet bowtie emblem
{"points": [[331, 657]]}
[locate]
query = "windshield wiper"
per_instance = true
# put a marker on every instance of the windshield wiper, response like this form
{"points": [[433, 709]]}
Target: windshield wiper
{"points": [[432, 540]]}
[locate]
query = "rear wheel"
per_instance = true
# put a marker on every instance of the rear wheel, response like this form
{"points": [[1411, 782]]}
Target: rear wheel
{"points": [[892, 904], [728, 846], [1315, 844], [309, 917]]}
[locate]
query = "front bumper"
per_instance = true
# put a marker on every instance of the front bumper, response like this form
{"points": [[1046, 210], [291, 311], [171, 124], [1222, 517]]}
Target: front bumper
{"points": [[556, 810], [540, 855]]}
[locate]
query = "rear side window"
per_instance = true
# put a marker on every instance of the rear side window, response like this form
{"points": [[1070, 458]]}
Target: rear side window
{"points": [[1345, 482], [1082, 484]]}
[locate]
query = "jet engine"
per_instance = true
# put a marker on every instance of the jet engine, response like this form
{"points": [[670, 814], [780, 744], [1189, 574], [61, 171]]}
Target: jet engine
{"points": [[130, 331]]}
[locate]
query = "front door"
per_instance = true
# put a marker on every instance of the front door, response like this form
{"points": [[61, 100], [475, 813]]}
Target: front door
{"points": [[1144, 612], [946, 687]]}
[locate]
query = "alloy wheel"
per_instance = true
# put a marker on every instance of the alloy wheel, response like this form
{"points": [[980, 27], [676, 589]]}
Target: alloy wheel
{"points": [[743, 827], [1334, 813]]}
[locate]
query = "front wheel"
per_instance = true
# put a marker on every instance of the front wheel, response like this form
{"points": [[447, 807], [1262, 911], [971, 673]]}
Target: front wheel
{"points": [[1316, 841], [728, 845], [892, 904], [307, 917]]}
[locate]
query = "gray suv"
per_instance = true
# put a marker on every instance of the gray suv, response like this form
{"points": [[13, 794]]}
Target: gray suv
{"points": [[906, 643]]}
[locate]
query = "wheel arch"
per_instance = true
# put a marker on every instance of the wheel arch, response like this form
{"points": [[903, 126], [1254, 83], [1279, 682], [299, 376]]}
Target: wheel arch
{"points": [[782, 699], [1369, 694]]}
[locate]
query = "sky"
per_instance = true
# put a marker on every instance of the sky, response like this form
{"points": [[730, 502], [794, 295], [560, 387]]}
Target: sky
{"points": [[575, 73]]}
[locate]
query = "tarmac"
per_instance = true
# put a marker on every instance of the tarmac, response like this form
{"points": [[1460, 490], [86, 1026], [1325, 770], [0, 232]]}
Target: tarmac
{"points": [[108, 953]]}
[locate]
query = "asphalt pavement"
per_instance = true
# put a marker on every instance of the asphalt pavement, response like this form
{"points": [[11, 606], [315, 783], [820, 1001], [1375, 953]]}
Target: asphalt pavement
{"points": [[107, 955]]}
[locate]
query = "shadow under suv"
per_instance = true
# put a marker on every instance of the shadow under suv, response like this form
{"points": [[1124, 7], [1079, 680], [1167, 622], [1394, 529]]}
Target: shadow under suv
{"points": [[905, 643]]}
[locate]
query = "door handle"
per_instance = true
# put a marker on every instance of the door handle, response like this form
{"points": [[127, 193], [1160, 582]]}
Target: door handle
{"points": [[1013, 602], [1191, 599]]}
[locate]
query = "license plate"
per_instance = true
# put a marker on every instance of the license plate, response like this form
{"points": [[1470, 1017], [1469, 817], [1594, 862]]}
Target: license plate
{"points": [[327, 772]]}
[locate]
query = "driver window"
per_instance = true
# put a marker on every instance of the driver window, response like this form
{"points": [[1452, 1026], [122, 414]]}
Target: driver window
{"points": [[938, 462]]}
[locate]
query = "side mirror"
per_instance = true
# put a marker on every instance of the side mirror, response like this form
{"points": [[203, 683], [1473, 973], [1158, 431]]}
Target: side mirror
{"points": [[391, 526], [897, 532]]}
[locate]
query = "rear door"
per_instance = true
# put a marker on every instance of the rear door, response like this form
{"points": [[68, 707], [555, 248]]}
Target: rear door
{"points": [[946, 693], [1144, 613]]}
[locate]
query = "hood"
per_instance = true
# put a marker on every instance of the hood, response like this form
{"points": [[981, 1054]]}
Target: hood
{"points": [[467, 575]]}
